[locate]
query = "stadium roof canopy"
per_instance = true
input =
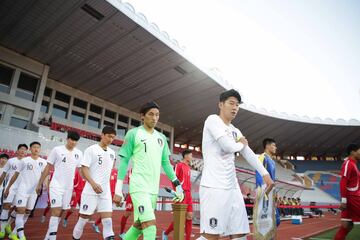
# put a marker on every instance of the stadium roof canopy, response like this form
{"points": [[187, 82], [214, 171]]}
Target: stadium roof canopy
{"points": [[110, 51]]}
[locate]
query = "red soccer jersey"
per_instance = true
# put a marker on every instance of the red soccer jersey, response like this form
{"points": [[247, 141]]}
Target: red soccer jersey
{"points": [[349, 183], [79, 182], [183, 173], [113, 179]]}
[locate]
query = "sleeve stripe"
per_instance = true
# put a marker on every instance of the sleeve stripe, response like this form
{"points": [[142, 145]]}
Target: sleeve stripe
{"points": [[346, 168]]}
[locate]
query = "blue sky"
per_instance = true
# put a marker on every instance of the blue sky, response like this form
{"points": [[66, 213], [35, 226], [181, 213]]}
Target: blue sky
{"points": [[298, 57]]}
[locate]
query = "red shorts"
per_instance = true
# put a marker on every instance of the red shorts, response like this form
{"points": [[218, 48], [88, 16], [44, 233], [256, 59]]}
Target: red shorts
{"points": [[352, 211], [188, 200], [75, 200], [129, 204]]}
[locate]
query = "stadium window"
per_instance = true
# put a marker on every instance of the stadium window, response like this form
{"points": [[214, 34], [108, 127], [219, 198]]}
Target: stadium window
{"points": [[62, 97], [80, 103], [27, 87], [135, 123], [123, 119], [300, 158], [59, 111], [109, 114], [121, 131], [47, 92], [44, 107], [19, 123], [184, 146], [93, 122], [107, 123], [95, 109], [177, 145], [6, 75], [191, 147], [77, 117], [198, 149]]}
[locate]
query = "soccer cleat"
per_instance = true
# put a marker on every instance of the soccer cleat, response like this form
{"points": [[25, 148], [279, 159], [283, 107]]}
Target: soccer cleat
{"points": [[13, 236], [42, 220], [2, 235], [96, 228], [8, 229], [64, 223], [122, 235], [164, 236]]}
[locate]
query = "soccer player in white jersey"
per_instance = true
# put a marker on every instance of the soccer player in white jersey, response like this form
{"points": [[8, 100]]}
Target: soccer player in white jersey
{"points": [[28, 173], [64, 159], [3, 160], [96, 168], [222, 206], [9, 170]]}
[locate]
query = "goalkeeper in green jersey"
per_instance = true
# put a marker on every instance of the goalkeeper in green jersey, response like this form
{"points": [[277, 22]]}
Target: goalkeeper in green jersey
{"points": [[148, 150]]}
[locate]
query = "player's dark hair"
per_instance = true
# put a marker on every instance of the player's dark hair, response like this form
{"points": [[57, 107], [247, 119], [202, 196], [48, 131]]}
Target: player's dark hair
{"points": [[267, 141], [4, 155], [22, 145], [352, 147], [108, 130], [230, 93], [185, 152], [147, 106], [73, 135], [33, 143]]}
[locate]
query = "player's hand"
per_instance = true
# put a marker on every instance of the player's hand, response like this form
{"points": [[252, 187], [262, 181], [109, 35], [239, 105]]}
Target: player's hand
{"points": [[342, 206], [243, 140], [118, 200], [38, 189], [6, 193], [97, 188], [269, 183], [179, 194]]}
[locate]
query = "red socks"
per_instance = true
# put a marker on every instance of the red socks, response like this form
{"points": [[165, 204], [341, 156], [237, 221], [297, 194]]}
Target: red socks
{"points": [[170, 228], [341, 233], [188, 229], [122, 224]]}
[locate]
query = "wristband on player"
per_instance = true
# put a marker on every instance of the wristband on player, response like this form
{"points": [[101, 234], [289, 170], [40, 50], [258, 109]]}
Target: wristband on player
{"points": [[176, 182], [119, 187], [343, 200]]}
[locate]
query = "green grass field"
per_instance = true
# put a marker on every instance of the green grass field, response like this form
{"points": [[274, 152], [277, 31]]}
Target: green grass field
{"points": [[353, 235]]}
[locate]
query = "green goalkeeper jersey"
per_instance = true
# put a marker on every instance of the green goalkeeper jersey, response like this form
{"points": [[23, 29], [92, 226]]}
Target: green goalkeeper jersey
{"points": [[148, 152]]}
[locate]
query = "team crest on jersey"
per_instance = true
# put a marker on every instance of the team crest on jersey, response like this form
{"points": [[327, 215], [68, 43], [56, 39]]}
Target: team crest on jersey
{"points": [[40, 164], [53, 201], [85, 207], [213, 222], [19, 201], [160, 141], [141, 209], [112, 156], [234, 135], [76, 156]]}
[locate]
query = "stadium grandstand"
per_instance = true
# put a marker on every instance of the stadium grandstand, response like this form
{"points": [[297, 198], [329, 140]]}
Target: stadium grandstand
{"points": [[82, 65]]}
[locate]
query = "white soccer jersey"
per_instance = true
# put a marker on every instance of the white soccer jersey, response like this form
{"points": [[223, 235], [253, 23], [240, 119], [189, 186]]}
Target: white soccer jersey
{"points": [[100, 163], [65, 163], [4, 182], [10, 167], [29, 174], [219, 167]]}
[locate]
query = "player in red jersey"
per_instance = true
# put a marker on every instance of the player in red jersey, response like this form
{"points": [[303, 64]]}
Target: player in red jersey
{"points": [[129, 208], [47, 184], [113, 178], [79, 184], [350, 192], [183, 173]]}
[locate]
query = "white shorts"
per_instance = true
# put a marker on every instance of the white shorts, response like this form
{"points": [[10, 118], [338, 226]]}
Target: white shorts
{"points": [[222, 211], [26, 200], [91, 203], [60, 198], [10, 198]]}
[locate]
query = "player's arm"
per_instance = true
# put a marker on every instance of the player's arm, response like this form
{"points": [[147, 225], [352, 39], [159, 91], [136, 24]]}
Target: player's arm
{"points": [[343, 184], [12, 180], [169, 171], [44, 175], [125, 153], [85, 171], [5, 171]]}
